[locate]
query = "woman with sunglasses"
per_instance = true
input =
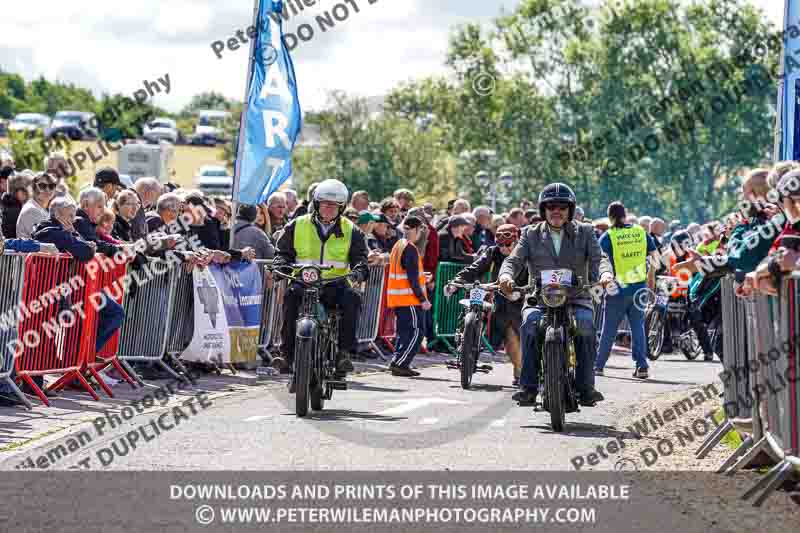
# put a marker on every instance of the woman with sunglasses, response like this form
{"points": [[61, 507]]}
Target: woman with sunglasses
{"points": [[506, 315], [35, 209]]}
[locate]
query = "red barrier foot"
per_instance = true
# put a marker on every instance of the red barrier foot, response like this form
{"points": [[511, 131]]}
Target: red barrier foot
{"points": [[100, 381], [36, 390]]}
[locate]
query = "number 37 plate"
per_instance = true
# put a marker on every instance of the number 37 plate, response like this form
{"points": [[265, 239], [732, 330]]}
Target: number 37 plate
{"points": [[560, 276]]}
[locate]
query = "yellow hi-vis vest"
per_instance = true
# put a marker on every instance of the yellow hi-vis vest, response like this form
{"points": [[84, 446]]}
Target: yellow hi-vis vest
{"points": [[630, 254], [398, 290], [311, 251]]}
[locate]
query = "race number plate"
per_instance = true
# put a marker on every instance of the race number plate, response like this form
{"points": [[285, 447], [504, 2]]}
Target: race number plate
{"points": [[476, 296], [561, 277], [661, 299]]}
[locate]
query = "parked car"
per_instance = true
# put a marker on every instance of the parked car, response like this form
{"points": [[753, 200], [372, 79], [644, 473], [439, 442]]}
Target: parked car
{"points": [[126, 180], [209, 130], [161, 129], [30, 123], [77, 125], [214, 181]]}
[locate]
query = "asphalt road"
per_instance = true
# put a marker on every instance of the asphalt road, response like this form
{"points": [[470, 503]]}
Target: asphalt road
{"points": [[381, 423]]}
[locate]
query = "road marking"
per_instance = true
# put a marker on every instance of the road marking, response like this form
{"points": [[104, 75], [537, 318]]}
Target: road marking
{"points": [[498, 423], [255, 418], [412, 404], [428, 421]]}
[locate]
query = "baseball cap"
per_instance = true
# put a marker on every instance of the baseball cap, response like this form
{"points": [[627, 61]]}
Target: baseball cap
{"points": [[366, 217], [412, 222], [106, 176], [381, 219], [456, 221]]}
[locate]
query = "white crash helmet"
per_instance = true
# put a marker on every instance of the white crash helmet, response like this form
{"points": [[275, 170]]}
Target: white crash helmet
{"points": [[331, 190]]}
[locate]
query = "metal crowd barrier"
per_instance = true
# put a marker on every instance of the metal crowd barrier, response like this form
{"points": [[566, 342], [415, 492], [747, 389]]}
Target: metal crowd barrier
{"points": [[373, 303], [180, 314], [149, 310], [765, 330], [12, 270]]}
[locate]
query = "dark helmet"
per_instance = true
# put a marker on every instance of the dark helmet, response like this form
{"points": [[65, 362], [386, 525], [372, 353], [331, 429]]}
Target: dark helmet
{"points": [[557, 192]]}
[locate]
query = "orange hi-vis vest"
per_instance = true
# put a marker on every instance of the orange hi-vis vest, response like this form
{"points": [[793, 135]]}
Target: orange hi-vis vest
{"points": [[683, 279], [398, 291]]}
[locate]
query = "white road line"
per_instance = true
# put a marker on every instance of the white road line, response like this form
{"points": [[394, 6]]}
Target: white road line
{"points": [[428, 421], [412, 404], [255, 418], [498, 423]]}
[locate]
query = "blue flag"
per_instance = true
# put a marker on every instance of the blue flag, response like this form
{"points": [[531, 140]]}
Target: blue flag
{"points": [[271, 118]]}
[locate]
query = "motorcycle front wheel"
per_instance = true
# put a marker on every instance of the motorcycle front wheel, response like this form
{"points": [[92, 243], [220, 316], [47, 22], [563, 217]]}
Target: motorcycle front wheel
{"points": [[303, 354], [554, 358], [470, 348], [654, 327]]}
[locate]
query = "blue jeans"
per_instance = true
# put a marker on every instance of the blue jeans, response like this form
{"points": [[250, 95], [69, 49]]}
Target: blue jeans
{"points": [[110, 318], [584, 348], [614, 309]]}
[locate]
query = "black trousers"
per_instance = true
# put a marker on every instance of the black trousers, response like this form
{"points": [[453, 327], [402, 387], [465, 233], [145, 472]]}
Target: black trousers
{"points": [[338, 295]]}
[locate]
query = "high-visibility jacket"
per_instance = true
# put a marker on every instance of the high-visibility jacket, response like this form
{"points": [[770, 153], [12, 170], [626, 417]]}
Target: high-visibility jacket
{"points": [[683, 278], [630, 253], [310, 250], [398, 290]]}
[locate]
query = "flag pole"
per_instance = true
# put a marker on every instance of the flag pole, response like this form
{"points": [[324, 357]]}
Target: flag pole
{"points": [[238, 161]]}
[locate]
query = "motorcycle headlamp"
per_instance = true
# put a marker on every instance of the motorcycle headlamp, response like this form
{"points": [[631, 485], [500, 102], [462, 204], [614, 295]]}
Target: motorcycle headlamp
{"points": [[554, 295]]}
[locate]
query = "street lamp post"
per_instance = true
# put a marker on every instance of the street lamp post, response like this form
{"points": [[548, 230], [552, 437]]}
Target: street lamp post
{"points": [[505, 180]]}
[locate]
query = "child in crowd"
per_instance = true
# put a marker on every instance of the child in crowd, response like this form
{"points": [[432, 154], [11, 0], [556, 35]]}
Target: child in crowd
{"points": [[105, 223]]}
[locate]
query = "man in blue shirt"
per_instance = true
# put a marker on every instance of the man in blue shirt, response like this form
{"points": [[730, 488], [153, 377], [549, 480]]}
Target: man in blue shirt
{"points": [[628, 246]]}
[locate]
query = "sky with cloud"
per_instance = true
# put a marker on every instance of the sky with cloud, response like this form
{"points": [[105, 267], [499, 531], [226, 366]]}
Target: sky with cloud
{"points": [[113, 45]]}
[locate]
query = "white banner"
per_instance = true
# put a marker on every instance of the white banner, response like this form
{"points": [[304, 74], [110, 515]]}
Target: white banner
{"points": [[211, 341]]}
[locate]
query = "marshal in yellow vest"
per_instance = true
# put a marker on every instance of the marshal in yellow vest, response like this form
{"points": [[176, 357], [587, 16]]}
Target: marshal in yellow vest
{"points": [[630, 253], [335, 252]]}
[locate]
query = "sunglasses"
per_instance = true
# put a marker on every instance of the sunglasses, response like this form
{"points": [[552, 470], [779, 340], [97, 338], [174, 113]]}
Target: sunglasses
{"points": [[505, 235], [560, 206], [46, 186]]}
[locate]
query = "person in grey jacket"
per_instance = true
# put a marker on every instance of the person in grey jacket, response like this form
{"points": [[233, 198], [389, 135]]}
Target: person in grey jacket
{"points": [[247, 234], [557, 243]]}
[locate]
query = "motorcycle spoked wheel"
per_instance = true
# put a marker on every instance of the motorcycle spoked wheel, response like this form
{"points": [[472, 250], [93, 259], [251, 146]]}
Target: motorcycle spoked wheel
{"points": [[470, 348], [555, 384], [303, 354], [654, 327]]}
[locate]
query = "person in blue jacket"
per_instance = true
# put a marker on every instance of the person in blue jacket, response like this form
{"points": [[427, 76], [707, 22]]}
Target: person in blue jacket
{"points": [[59, 230]]}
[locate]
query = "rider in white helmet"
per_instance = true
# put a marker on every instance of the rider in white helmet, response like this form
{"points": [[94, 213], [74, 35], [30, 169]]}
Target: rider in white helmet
{"points": [[324, 236]]}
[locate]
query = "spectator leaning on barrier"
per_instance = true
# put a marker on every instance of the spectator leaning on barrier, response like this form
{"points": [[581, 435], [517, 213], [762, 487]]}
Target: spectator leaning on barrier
{"points": [[59, 229], [469, 231], [35, 209], [629, 246], [247, 234], [451, 242], [262, 220], [126, 205], [148, 189], [105, 225], [92, 204], [12, 201], [483, 236], [406, 294], [383, 235]]}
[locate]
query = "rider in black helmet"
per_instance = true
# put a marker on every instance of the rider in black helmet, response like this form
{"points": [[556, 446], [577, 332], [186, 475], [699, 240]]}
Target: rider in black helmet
{"points": [[558, 242]]}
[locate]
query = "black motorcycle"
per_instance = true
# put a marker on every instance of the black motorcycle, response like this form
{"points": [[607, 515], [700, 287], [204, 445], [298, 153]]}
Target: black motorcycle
{"points": [[469, 336], [317, 341], [557, 331], [667, 316]]}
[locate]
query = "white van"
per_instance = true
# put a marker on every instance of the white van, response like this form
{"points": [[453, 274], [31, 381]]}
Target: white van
{"points": [[146, 160], [210, 129]]}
